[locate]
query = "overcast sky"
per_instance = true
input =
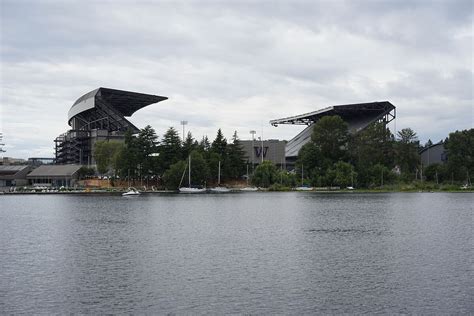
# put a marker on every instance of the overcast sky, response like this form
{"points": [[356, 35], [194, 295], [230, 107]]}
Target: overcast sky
{"points": [[234, 64]]}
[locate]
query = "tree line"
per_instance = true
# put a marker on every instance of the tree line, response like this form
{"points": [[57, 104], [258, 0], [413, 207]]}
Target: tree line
{"points": [[163, 161], [375, 157], [371, 158]]}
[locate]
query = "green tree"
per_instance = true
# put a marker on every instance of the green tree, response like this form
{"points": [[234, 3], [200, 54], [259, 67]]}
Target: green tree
{"points": [[213, 164], [199, 169], [127, 158], [170, 149], [173, 175], [219, 148], [84, 172], [147, 149], [437, 173], [329, 144], [179, 171], [374, 145], [380, 175], [235, 159], [460, 150], [105, 155], [407, 146], [189, 145], [344, 174], [204, 144], [219, 145], [331, 137], [265, 174], [428, 143], [329, 177], [309, 158], [287, 179]]}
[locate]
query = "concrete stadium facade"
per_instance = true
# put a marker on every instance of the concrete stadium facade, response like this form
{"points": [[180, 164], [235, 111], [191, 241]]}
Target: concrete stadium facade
{"points": [[98, 115]]}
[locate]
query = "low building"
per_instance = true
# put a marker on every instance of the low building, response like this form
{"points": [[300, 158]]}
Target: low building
{"points": [[13, 175], [434, 154], [54, 175], [272, 150]]}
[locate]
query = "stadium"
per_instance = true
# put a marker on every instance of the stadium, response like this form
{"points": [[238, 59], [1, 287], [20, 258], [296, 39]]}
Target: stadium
{"points": [[357, 116], [99, 115]]}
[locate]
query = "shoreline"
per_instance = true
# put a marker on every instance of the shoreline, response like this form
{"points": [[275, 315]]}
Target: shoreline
{"points": [[119, 193]]}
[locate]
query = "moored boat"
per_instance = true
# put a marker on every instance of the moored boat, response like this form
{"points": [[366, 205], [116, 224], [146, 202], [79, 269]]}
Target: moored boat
{"points": [[219, 188], [131, 192], [189, 188], [249, 189]]}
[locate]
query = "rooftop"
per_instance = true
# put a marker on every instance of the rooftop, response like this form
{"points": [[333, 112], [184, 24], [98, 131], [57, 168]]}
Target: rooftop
{"points": [[54, 171], [126, 102], [346, 110]]}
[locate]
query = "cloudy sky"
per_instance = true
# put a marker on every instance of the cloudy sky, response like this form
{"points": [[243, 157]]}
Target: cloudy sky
{"points": [[234, 64]]}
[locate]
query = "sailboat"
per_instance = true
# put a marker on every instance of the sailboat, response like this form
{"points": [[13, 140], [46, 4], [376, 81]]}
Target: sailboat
{"points": [[219, 189], [303, 187], [247, 188], [189, 189]]}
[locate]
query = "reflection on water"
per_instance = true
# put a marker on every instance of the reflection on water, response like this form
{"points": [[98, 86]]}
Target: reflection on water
{"points": [[239, 253]]}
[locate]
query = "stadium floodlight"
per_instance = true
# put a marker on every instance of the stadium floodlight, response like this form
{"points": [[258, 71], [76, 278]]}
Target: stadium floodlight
{"points": [[184, 123]]}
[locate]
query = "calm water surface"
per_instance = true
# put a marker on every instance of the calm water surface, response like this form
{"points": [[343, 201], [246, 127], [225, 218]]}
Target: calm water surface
{"points": [[259, 253]]}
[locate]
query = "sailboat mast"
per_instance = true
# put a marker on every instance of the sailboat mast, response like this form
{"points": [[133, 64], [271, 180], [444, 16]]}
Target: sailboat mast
{"points": [[219, 175], [189, 171]]}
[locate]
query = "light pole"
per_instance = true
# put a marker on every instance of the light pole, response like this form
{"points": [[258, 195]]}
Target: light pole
{"points": [[253, 149], [184, 123]]}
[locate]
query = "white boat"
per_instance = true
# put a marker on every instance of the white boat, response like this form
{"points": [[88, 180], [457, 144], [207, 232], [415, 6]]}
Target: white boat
{"points": [[131, 192], [189, 189], [249, 189], [303, 187], [219, 188]]}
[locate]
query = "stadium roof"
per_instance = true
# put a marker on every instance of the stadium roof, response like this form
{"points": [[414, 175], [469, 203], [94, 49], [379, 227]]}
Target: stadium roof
{"points": [[357, 116], [348, 110], [124, 102]]}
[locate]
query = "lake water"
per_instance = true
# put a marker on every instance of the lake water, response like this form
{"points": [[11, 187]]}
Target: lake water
{"points": [[258, 253]]}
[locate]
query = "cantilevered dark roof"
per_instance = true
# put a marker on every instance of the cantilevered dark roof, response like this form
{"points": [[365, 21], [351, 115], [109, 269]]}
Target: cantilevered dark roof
{"points": [[357, 116], [346, 110], [125, 102]]}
